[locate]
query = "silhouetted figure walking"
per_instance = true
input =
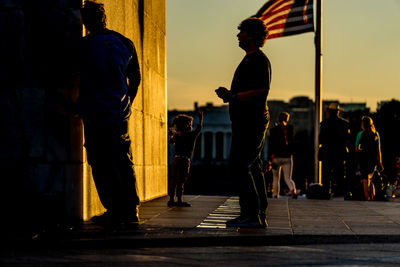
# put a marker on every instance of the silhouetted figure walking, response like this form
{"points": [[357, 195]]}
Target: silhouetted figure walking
{"points": [[333, 139], [368, 148], [108, 61], [249, 116], [184, 140], [281, 141]]}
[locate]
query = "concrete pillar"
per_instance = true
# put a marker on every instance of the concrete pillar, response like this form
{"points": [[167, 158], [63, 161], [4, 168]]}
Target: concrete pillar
{"points": [[226, 145], [202, 146], [227, 149], [214, 147]]}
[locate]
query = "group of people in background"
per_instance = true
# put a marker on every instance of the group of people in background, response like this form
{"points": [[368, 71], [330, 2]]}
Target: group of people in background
{"points": [[334, 153]]}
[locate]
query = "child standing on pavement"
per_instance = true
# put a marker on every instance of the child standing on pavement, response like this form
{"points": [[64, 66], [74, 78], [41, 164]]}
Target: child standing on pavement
{"points": [[184, 140]]}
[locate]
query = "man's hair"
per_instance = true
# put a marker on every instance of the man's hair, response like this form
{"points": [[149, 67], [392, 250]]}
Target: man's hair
{"points": [[256, 29], [182, 122], [283, 116], [93, 15]]}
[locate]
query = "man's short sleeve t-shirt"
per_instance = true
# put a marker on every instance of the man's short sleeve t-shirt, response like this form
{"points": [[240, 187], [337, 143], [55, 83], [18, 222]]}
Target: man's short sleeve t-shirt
{"points": [[253, 73]]}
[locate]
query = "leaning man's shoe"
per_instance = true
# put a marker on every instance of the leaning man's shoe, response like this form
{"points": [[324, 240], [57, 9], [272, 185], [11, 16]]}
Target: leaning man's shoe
{"points": [[105, 218], [171, 203], [183, 204]]}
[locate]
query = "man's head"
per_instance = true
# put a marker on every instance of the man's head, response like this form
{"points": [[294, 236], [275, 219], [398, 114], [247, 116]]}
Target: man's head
{"points": [[93, 16], [334, 109], [252, 30], [283, 118]]}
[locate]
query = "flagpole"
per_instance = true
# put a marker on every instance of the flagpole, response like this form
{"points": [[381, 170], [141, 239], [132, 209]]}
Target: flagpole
{"points": [[318, 89]]}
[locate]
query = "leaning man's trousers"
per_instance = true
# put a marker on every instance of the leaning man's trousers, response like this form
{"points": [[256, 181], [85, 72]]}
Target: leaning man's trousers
{"points": [[110, 157]]}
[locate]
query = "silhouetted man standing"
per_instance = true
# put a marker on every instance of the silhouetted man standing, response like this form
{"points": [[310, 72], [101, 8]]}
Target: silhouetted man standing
{"points": [[334, 137], [249, 116], [110, 77]]}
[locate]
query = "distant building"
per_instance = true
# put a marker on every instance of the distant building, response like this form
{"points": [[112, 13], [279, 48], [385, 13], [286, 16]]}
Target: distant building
{"points": [[350, 107]]}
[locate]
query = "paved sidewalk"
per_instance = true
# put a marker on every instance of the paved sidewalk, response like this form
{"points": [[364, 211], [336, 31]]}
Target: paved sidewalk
{"points": [[301, 232], [300, 221]]}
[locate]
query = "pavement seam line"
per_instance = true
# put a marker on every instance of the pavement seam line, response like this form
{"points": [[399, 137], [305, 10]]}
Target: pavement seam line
{"points": [[344, 222], [388, 218], [289, 217]]}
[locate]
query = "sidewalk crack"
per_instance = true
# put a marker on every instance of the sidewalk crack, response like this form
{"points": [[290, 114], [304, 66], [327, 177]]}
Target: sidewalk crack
{"points": [[289, 217]]}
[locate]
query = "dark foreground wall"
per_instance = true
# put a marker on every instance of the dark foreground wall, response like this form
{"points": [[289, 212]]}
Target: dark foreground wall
{"points": [[43, 170], [40, 137]]}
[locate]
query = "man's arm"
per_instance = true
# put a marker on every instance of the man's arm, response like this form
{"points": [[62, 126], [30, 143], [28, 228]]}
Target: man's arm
{"points": [[243, 96], [133, 75], [379, 154], [228, 96]]}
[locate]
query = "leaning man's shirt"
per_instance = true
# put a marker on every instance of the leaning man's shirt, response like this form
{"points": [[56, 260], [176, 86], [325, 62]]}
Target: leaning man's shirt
{"points": [[253, 72], [103, 94]]}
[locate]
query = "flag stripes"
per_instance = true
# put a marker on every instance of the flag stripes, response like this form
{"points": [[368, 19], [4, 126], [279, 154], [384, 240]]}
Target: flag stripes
{"points": [[287, 17]]}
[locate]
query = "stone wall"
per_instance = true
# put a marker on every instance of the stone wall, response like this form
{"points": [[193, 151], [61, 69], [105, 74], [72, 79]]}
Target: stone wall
{"points": [[42, 162]]}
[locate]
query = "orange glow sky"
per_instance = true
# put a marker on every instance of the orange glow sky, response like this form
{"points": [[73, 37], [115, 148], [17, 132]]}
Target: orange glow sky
{"points": [[361, 48]]}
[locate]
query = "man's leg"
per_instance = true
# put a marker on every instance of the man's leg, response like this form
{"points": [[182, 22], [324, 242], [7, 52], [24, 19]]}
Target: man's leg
{"points": [[128, 196], [98, 148], [276, 179], [338, 178], [247, 143], [326, 177], [287, 172], [259, 180]]}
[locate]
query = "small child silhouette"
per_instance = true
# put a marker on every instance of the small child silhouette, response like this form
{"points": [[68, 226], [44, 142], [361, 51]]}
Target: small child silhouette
{"points": [[184, 140]]}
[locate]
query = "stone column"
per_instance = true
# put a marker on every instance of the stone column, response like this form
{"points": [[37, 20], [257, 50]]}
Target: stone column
{"points": [[202, 146], [214, 147]]}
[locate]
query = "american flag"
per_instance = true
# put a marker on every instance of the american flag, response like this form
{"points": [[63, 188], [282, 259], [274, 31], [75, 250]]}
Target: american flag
{"points": [[287, 17]]}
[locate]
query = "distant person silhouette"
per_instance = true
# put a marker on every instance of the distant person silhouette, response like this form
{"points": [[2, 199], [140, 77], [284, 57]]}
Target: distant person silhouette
{"points": [[368, 148], [281, 141], [110, 77], [334, 138], [184, 140], [249, 115]]}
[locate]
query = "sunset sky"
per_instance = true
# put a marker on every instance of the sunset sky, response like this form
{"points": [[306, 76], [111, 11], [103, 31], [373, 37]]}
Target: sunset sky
{"points": [[361, 49]]}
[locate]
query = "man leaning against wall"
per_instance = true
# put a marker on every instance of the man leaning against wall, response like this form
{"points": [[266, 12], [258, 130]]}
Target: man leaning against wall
{"points": [[110, 76]]}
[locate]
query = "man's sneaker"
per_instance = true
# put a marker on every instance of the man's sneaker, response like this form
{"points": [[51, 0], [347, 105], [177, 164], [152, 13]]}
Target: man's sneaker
{"points": [[105, 218], [171, 203], [245, 222], [234, 221], [183, 204], [131, 218], [263, 220], [249, 223]]}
